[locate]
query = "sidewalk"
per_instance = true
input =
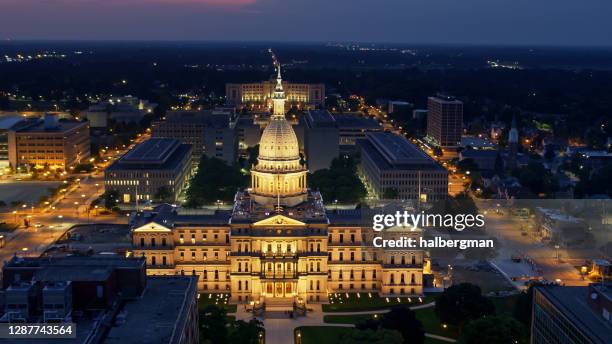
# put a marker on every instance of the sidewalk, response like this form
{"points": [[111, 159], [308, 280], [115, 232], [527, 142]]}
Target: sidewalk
{"points": [[280, 331]]}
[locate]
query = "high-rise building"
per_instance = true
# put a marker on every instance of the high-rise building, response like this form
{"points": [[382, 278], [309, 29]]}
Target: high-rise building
{"points": [[157, 169], [444, 120], [395, 168], [278, 245], [321, 139], [50, 142], [572, 314]]}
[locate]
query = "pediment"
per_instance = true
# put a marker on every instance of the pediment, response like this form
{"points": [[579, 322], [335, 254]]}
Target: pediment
{"points": [[278, 220], [152, 227]]}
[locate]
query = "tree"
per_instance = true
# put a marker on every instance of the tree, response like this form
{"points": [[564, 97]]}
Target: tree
{"points": [[462, 303], [163, 194], [213, 325], [495, 329], [403, 320], [215, 180], [380, 336], [460, 204], [523, 306], [2, 204], [339, 182], [390, 193], [253, 153], [111, 199], [467, 164], [499, 165], [242, 332], [437, 151], [537, 178]]}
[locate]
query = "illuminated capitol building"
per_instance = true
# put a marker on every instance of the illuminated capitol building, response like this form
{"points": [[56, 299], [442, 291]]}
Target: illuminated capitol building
{"points": [[278, 243]]}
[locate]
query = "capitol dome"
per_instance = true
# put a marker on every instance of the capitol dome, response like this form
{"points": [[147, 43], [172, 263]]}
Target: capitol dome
{"points": [[278, 141]]}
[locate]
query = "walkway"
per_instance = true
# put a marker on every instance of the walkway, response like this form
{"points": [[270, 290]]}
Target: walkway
{"points": [[280, 331]]}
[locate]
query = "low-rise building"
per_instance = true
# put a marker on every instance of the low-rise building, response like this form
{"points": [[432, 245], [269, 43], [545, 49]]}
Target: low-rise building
{"points": [[399, 106], [126, 109], [392, 166], [53, 143], [154, 167], [560, 228], [353, 127], [209, 133], [484, 158]]}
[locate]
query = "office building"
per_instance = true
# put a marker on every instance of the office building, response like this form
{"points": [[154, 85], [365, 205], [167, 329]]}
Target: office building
{"points": [[278, 245], [444, 120], [155, 167], [53, 143], [108, 297], [247, 131], [321, 139], [126, 109], [209, 132], [572, 314], [395, 106], [484, 158], [7, 123], [354, 127], [394, 167]]}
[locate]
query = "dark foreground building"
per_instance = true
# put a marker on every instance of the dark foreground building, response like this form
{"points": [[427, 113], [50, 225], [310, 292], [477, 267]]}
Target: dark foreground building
{"points": [[572, 314], [109, 298]]}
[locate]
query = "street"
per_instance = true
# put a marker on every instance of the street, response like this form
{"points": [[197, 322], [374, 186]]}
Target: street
{"points": [[548, 262], [49, 223]]}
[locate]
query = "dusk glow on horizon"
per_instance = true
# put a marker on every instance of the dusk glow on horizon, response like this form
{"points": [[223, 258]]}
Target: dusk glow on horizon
{"points": [[560, 22]]}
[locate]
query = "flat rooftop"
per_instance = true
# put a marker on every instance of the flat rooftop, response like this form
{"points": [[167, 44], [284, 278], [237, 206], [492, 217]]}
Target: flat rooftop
{"points": [[151, 150], [446, 100], [72, 261], [320, 118], [73, 273], [212, 118], [572, 301], [60, 127], [397, 150], [153, 154], [355, 122], [159, 315], [7, 122], [390, 151], [479, 153]]}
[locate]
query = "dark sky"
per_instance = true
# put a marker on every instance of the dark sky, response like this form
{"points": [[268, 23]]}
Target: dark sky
{"points": [[550, 22]]}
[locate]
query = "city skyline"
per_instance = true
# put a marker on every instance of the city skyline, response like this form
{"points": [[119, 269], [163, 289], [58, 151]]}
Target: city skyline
{"points": [[479, 22]]}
